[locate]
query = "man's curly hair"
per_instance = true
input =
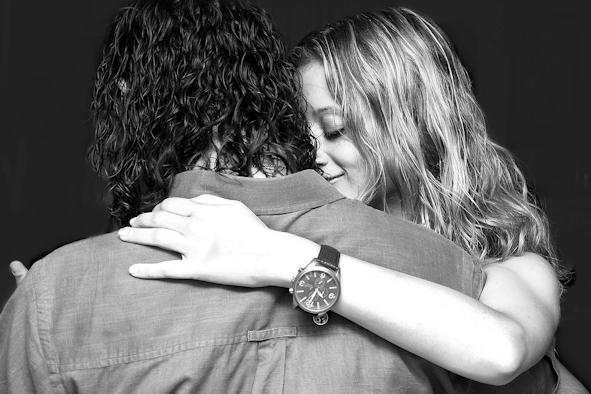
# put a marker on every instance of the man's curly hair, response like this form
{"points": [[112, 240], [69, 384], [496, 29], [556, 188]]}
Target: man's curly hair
{"points": [[182, 79]]}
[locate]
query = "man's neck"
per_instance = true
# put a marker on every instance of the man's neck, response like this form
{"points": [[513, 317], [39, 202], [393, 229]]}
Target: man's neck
{"points": [[208, 162]]}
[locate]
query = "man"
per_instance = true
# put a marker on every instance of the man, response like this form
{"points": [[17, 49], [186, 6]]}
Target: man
{"points": [[194, 97]]}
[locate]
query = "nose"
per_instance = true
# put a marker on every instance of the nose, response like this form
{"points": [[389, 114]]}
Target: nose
{"points": [[321, 155]]}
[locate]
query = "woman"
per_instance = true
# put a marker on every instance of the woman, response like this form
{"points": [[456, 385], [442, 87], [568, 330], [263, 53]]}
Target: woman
{"points": [[398, 127]]}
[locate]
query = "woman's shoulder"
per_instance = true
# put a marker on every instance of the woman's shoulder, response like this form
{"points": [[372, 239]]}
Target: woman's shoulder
{"points": [[528, 272], [529, 266]]}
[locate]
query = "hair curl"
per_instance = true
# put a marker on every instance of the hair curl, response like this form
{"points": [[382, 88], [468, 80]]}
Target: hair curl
{"points": [[409, 108], [179, 80]]}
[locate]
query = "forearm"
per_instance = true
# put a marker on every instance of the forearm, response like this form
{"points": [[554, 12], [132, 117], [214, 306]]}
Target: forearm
{"points": [[432, 321], [437, 323]]}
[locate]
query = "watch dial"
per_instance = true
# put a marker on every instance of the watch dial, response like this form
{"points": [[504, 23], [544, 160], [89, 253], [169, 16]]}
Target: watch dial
{"points": [[316, 291]]}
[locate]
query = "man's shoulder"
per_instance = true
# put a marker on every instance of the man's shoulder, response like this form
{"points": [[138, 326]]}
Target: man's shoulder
{"points": [[378, 223], [107, 244], [79, 253], [84, 246], [390, 241], [85, 257]]}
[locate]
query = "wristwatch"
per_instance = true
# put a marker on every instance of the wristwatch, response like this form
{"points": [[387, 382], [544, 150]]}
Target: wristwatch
{"points": [[316, 287]]}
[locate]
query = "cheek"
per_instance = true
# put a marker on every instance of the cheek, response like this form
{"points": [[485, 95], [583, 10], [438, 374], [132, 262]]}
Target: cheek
{"points": [[350, 157]]}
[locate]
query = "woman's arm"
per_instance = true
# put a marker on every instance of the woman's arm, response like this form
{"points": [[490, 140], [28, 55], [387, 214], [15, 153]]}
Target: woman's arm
{"points": [[491, 340]]}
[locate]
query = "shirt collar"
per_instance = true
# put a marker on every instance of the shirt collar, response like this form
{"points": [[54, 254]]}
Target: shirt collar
{"points": [[264, 196]]}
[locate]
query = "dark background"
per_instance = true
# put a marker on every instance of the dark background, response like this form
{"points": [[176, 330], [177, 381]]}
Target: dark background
{"points": [[529, 61]]}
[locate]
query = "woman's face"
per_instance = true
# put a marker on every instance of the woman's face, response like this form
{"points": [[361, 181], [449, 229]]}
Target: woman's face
{"points": [[337, 156]]}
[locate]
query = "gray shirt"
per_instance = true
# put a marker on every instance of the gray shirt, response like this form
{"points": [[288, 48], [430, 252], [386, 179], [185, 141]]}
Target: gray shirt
{"points": [[80, 323]]}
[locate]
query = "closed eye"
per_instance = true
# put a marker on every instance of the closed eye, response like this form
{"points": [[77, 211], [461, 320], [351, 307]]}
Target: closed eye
{"points": [[334, 134]]}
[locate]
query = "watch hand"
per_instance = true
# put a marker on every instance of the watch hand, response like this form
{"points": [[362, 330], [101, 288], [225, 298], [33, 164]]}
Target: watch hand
{"points": [[313, 294]]}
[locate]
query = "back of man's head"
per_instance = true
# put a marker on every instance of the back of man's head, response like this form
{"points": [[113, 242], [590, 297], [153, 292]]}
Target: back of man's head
{"points": [[190, 83]]}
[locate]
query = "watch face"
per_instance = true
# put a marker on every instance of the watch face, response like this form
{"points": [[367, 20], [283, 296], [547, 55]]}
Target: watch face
{"points": [[316, 291]]}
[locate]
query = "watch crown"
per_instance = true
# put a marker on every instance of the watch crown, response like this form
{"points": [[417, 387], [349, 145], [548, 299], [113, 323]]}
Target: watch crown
{"points": [[291, 291]]}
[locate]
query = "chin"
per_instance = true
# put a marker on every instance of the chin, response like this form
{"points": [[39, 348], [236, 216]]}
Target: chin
{"points": [[347, 193]]}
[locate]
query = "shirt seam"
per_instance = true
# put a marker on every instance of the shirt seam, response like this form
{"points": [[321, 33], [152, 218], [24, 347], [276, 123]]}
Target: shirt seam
{"points": [[296, 208], [43, 332]]}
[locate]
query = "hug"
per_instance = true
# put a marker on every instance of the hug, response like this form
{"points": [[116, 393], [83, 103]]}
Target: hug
{"points": [[333, 218]]}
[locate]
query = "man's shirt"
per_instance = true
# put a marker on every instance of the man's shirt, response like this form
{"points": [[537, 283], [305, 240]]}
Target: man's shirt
{"points": [[80, 323]]}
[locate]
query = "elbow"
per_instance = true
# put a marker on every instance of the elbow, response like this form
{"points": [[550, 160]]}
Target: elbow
{"points": [[508, 358]]}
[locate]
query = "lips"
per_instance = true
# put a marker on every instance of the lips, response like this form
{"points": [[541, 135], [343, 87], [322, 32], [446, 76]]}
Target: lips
{"points": [[333, 178]]}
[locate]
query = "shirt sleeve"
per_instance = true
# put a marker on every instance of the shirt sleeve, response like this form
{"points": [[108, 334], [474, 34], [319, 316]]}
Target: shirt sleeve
{"points": [[23, 367]]}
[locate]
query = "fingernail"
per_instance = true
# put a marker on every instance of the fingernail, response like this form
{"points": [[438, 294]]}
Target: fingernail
{"points": [[132, 221], [132, 270], [123, 231]]}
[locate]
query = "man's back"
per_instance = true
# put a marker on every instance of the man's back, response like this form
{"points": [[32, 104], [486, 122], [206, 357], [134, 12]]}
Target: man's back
{"points": [[97, 328]]}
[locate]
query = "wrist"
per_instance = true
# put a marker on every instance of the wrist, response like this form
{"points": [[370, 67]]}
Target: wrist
{"points": [[287, 254]]}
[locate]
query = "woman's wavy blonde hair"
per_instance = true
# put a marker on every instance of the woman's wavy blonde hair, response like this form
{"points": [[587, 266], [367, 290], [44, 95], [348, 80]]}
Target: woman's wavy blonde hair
{"points": [[409, 107]]}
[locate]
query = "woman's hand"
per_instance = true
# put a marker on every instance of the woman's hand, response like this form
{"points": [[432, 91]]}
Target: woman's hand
{"points": [[220, 241], [19, 271]]}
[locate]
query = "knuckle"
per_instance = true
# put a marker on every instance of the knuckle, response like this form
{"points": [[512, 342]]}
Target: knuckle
{"points": [[187, 225], [160, 235], [157, 218], [142, 218], [167, 204], [164, 271]]}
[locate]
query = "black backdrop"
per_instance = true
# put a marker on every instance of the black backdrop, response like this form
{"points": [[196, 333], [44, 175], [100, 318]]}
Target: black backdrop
{"points": [[529, 61]]}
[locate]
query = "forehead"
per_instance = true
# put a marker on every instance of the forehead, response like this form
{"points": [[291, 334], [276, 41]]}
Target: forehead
{"points": [[315, 89]]}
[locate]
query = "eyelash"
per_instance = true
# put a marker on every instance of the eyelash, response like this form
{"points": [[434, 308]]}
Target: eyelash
{"points": [[334, 134]]}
